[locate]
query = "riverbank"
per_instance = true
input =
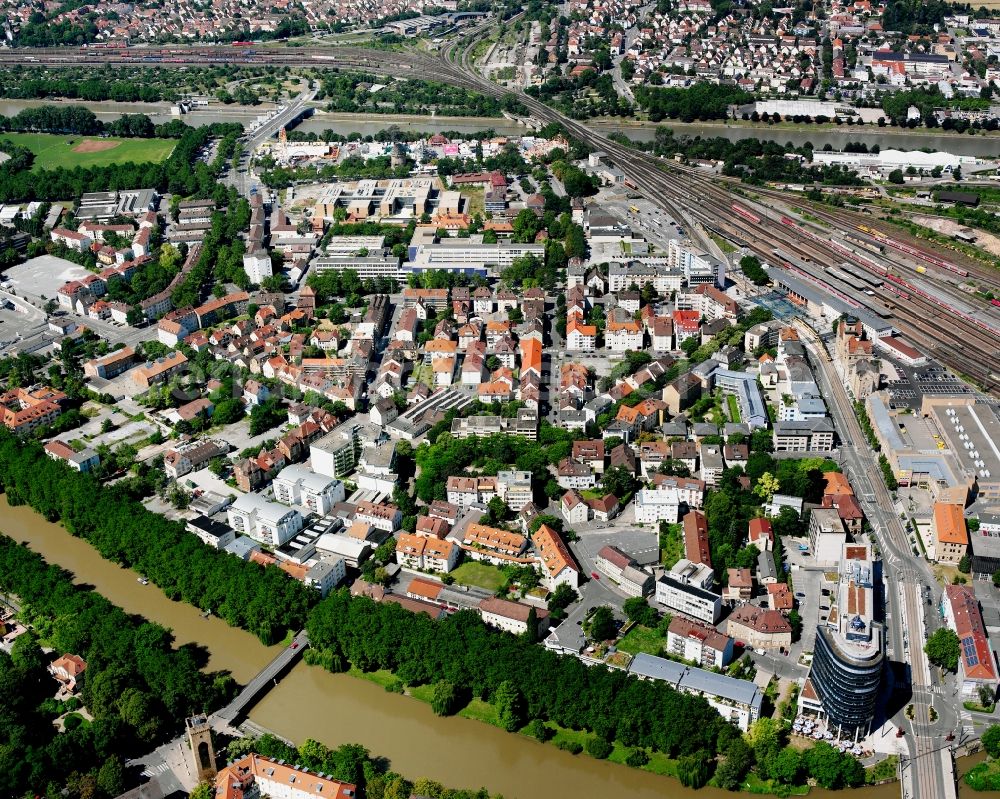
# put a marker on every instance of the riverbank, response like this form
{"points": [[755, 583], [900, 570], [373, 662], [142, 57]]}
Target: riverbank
{"points": [[313, 703], [837, 136]]}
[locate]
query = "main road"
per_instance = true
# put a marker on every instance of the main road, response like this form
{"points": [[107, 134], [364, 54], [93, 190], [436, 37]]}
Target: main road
{"points": [[928, 770]]}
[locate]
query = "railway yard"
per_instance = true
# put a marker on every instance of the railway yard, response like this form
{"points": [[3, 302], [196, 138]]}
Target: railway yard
{"points": [[912, 285]]}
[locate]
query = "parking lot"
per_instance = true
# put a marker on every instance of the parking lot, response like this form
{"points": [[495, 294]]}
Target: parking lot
{"points": [[41, 277]]}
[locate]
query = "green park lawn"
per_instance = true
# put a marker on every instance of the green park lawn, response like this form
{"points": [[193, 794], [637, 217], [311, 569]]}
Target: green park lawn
{"points": [[642, 639], [54, 152], [482, 575]]}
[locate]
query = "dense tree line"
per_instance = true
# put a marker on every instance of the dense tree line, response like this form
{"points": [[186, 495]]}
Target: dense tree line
{"points": [[464, 653], [351, 92], [136, 685], [55, 119], [702, 101], [351, 168], [916, 16], [452, 456], [129, 83], [222, 251], [91, 88], [263, 601], [42, 32], [587, 95], [729, 507], [182, 173]]}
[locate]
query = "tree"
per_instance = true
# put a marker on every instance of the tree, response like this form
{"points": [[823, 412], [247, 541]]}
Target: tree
{"points": [[27, 655], [510, 707], [445, 700], [536, 729], [694, 770], [755, 273], [896, 176], [991, 740], [497, 512], [830, 768], [619, 481], [531, 625], [787, 523], [996, 578], [767, 486], [560, 599], [601, 625], [942, 649], [765, 740], [735, 765], [795, 620], [787, 766], [111, 777], [761, 441], [638, 610], [526, 226], [599, 748], [965, 564]]}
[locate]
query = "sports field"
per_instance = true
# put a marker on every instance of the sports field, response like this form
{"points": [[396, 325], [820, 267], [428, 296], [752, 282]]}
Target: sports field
{"points": [[52, 151]]}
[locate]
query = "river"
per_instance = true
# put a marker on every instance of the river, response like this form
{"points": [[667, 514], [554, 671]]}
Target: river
{"points": [[370, 124], [336, 708]]}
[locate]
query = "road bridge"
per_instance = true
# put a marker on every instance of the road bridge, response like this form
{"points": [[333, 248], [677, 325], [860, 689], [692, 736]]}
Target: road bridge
{"points": [[262, 683]]}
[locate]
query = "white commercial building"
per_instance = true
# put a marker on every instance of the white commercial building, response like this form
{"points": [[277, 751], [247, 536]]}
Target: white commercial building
{"points": [[654, 506], [889, 160], [826, 536], [267, 522], [300, 485], [257, 265], [325, 575], [514, 488], [691, 600]]}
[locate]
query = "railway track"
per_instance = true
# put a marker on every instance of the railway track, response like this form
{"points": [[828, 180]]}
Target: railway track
{"points": [[668, 185]]}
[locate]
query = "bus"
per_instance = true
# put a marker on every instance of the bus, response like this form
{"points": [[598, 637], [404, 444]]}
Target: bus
{"points": [[633, 209]]}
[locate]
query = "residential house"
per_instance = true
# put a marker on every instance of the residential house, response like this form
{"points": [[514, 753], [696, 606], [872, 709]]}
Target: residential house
{"points": [[624, 570], [739, 587], [758, 628], [300, 485], [493, 545], [951, 539], [84, 460], [385, 516], [761, 534], [696, 548], [512, 617], [558, 565], [68, 669], [977, 661], [426, 553], [698, 642], [574, 507], [574, 474]]}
